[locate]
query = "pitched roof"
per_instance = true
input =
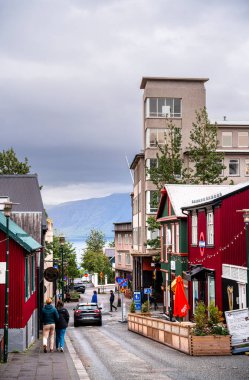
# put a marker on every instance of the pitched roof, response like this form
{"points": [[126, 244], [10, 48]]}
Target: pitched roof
{"points": [[19, 235], [189, 196], [25, 190]]}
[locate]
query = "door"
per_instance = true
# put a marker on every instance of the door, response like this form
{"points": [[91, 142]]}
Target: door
{"points": [[242, 296]]}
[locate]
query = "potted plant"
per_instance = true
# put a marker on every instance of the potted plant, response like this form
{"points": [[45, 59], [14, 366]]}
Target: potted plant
{"points": [[209, 336], [132, 307]]}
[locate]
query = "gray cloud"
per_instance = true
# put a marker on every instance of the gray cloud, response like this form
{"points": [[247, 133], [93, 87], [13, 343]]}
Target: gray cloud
{"points": [[70, 72]]}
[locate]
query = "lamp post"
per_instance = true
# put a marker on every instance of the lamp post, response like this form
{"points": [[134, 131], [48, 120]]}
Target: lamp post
{"points": [[246, 221], [7, 210], [62, 241]]}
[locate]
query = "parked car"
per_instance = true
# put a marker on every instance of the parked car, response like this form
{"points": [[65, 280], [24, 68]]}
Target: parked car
{"points": [[80, 288], [87, 313]]}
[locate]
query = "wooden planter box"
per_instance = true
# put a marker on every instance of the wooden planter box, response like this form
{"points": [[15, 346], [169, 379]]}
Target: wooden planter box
{"points": [[210, 345]]}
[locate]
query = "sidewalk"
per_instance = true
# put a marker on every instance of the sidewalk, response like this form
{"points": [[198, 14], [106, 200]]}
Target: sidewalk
{"points": [[35, 364]]}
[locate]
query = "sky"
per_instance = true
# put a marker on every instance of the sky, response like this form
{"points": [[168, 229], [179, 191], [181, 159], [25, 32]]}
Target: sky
{"points": [[70, 74]]}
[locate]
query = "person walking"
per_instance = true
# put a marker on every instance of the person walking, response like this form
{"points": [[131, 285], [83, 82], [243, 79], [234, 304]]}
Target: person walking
{"points": [[94, 297], [112, 297], [61, 326], [49, 317]]}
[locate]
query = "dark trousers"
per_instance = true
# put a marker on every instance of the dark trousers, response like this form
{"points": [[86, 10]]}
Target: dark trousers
{"points": [[111, 306]]}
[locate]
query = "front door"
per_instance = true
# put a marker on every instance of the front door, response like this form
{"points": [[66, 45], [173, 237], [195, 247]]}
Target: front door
{"points": [[242, 296]]}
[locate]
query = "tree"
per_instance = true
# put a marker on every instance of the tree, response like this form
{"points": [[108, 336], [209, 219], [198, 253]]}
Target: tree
{"points": [[95, 241], [169, 165], [202, 152], [9, 163], [93, 258], [69, 256]]}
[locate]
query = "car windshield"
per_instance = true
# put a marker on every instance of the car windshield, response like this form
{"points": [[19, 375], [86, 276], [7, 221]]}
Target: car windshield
{"points": [[88, 307]]}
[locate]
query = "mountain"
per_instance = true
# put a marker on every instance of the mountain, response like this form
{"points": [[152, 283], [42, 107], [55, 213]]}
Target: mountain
{"points": [[77, 218]]}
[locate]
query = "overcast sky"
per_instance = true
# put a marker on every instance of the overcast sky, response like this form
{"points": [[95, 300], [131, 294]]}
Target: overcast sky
{"points": [[70, 74]]}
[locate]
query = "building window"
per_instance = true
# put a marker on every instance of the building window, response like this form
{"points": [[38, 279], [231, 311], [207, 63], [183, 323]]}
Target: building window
{"points": [[210, 228], [27, 278], [163, 107], [233, 167], [126, 238], [227, 139], [33, 273], [151, 235], [156, 137], [119, 257], [151, 201], [135, 236], [119, 239], [243, 139], [127, 259], [194, 229], [246, 167], [151, 163], [177, 238]]}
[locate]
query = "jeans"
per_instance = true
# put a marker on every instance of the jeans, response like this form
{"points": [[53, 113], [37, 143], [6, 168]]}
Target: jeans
{"points": [[60, 334]]}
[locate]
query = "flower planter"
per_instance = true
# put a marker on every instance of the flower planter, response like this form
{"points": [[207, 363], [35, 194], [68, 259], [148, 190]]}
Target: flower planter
{"points": [[210, 345]]}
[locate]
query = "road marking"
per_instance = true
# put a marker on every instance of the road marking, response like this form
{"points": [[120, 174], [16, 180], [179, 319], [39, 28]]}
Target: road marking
{"points": [[76, 360]]}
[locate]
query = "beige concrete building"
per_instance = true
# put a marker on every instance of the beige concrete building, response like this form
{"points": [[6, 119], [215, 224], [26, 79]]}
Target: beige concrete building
{"points": [[123, 245]]}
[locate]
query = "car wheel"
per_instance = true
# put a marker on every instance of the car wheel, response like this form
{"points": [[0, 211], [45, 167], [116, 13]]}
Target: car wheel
{"points": [[100, 323]]}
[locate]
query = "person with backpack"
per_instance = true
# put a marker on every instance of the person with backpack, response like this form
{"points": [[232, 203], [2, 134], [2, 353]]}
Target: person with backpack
{"points": [[61, 326]]}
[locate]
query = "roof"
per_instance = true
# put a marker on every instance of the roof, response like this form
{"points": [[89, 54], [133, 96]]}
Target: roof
{"points": [[223, 192], [25, 190], [136, 159], [167, 79], [190, 196], [19, 235], [231, 122]]}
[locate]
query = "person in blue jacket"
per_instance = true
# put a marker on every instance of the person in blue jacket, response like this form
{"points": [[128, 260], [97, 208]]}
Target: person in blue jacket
{"points": [[61, 326], [49, 317], [94, 297]]}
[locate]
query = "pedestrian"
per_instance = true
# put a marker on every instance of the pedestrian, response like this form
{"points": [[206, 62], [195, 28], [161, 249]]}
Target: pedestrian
{"points": [[61, 326], [49, 317], [112, 297], [94, 297]]}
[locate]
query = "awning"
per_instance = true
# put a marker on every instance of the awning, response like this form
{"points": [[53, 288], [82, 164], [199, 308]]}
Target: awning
{"points": [[197, 272]]}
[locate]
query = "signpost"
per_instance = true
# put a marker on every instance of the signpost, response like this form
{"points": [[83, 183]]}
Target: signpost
{"points": [[137, 300], [122, 282]]}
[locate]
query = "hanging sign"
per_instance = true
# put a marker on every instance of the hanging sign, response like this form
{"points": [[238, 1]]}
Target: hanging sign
{"points": [[51, 274], [2, 272]]}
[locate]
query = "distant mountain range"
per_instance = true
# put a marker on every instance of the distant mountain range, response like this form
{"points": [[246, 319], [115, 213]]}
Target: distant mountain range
{"points": [[76, 219]]}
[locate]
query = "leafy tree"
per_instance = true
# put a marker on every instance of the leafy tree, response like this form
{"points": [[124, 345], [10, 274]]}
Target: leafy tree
{"points": [[93, 258], [202, 152], [169, 159], [9, 163], [95, 241], [69, 256]]}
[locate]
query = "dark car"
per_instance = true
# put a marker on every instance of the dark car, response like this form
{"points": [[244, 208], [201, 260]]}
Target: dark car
{"points": [[80, 288], [87, 313]]}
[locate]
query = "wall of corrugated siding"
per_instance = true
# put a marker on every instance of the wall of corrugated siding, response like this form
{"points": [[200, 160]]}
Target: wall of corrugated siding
{"points": [[19, 310]]}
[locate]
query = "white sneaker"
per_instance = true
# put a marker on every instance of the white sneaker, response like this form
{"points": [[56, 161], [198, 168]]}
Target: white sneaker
{"points": [[62, 350]]}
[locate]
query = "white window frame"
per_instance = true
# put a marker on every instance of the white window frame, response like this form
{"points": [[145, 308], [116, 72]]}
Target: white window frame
{"points": [[127, 259], [119, 258], [126, 239], [148, 166], [120, 239], [238, 167], [194, 229], [210, 228], [224, 136], [177, 246], [195, 293], [167, 112], [242, 135], [149, 208], [211, 291]]}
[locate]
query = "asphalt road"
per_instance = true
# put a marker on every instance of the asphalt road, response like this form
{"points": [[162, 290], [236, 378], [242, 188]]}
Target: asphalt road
{"points": [[112, 352]]}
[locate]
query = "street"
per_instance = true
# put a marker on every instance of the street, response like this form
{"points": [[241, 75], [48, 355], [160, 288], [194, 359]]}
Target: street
{"points": [[112, 352]]}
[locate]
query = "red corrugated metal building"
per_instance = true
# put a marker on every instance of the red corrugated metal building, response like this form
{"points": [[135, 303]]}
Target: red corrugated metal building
{"points": [[217, 249], [23, 256]]}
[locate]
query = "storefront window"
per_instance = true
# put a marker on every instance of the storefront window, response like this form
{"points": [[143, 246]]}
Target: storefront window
{"points": [[211, 290]]}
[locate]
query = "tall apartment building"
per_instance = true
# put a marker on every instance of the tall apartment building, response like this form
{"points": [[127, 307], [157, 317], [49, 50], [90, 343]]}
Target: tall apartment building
{"points": [[177, 99], [123, 244]]}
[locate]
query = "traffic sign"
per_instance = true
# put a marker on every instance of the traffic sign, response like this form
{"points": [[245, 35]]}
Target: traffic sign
{"points": [[147, 290], [137, 300], [122, 281]]}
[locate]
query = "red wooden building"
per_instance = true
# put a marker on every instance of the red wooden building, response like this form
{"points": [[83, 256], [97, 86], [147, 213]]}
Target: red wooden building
{"points": [[23, 285], [217, 248]]}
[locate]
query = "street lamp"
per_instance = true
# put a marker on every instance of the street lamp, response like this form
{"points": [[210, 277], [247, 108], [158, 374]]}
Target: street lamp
{"points": [[246, 221], [6, 210], [62, 242]]}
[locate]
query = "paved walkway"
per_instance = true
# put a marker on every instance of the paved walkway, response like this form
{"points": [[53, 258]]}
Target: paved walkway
{"points": [[35, 364]]}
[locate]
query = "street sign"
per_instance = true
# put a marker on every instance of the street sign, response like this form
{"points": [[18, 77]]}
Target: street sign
{"points": [[51, 274], [147, 290], [122, 281], [137, 300]]}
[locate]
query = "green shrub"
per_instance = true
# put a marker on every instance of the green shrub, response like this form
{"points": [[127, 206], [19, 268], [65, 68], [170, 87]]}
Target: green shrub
{"points": [[132, 307], [208, 321], [145, 307]]}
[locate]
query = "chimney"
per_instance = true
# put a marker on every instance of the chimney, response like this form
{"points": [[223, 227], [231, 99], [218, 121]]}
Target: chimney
{"points": [[225, 118]]}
